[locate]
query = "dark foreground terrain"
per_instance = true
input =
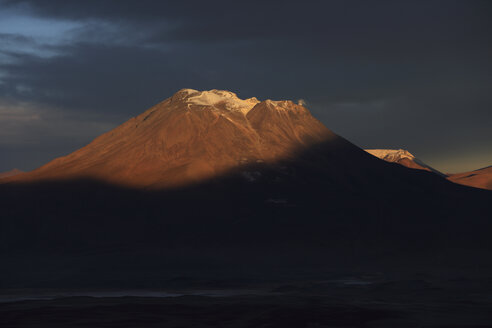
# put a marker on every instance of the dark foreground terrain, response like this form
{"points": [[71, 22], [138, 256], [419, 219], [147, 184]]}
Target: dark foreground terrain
{"points": [[461, 298], [317, 241]]}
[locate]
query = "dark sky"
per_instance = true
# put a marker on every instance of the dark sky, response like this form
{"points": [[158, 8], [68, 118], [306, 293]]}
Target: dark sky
{"points": [[384, 74]]}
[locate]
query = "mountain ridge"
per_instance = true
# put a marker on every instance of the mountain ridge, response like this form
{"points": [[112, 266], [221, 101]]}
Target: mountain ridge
{"points": [[480, 178], [10, 173]]}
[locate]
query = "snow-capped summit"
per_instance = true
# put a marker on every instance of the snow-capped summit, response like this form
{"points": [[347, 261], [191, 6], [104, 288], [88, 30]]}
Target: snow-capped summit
{"points": [[403, 157], [391, 155], [219, 99], [191, 136]]}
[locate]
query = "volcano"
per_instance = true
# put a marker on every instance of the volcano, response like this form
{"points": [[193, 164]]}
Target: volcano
{"points": [[205, 181], [198, 136], [189, 137]]}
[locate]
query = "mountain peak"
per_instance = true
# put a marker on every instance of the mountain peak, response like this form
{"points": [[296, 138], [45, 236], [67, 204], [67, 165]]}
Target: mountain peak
{"points": [[220, 99], [191, 136], [391, 155], [403, 157]]}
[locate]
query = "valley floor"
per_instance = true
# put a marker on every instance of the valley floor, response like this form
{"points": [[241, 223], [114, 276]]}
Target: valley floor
{"points": [[437, 299]]}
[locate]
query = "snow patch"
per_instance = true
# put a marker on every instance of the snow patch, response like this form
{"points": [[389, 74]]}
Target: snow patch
{"points": [[188, 91], [215, 97], [391, 155], [281, 104]]}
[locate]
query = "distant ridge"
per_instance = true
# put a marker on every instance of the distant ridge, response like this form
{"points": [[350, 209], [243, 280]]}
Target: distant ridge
{"points": [[481, 178], [403, 157], [10, 173]]}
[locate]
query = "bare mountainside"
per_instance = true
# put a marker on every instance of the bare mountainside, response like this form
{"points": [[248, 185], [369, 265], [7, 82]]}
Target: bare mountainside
{"points": [[403, 157], [188, 137], [481, 178], [10, 173]]}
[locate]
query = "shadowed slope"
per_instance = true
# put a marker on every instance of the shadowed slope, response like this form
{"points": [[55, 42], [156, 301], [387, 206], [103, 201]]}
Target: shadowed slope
{"points": [[318, 208]]}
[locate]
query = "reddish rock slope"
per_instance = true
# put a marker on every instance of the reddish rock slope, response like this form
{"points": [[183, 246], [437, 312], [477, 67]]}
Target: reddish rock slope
{"points": [[188, 137], [481, 178], [10, 173]]}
